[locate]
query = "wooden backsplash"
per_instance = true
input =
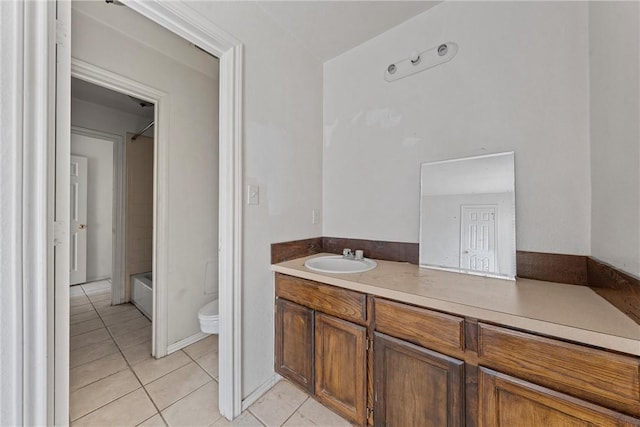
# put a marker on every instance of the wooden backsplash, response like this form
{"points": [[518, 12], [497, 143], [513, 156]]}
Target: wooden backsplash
{"points": [[619, 288]]}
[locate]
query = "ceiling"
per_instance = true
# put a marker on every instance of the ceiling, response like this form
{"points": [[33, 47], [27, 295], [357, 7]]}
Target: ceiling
{"points": [[330, 28], [326, 28], [89, 92]]}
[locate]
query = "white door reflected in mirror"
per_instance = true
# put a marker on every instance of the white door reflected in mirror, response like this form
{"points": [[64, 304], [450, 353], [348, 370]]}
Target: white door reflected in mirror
{"points": [[467, 215]]}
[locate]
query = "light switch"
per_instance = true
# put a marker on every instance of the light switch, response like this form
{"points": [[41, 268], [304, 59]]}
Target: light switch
{"points": [[315, 216], [253, 194]]}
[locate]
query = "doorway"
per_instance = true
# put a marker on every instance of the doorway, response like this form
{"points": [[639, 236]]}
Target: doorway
{"points": [[101, 119], [183, 22]]}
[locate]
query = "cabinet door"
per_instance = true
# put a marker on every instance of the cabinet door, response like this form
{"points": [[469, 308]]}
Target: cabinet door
{"points": [[416, 386], [341, 366], [508, 401], [294, 343]]}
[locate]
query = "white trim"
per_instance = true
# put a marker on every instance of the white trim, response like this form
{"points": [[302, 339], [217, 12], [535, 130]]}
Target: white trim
{"points": [[60, 195], [190, 25], [104, 78], [11, 239], [26, 129], [262, 389], [118, 206], [172, 348]]}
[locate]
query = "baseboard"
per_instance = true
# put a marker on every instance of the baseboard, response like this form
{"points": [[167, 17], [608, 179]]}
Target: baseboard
{"points": [[262, 389], [185, 342], [97, 279]]}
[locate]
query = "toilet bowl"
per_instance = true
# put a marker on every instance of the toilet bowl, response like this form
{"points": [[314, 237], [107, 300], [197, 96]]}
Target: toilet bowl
{"points": [[209, 318]]}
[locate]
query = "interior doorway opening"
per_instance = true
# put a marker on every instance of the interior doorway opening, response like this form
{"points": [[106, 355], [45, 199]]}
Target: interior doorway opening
{"points": [[184, 23], [103, 122]]}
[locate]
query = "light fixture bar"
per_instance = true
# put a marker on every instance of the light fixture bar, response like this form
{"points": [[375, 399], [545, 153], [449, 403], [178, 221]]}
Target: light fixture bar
{"points": [[420, 61]]}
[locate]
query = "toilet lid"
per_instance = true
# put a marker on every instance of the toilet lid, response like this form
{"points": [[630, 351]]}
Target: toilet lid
{"points": [[209, 310]]}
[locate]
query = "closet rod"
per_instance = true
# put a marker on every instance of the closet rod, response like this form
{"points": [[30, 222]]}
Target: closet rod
{"points": [[134, 137]]}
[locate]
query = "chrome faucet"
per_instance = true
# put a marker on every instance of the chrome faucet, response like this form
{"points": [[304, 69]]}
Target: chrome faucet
{"points": [[348, 254]]}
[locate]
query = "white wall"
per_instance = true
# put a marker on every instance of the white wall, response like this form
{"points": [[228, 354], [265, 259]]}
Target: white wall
{"points": [[92, 116], [99, 154], [119, 40], [283, 155], [615, 133], [518, 83]]}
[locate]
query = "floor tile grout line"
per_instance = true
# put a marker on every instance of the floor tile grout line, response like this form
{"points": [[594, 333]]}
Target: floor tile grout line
{"points": [[96, 409], [99, 379], [296, 410], [144, 386], [158, 414], [114, 342], [87, 345], [163, 375], [256, 417], [196, 362], [146, 392], [189, 394], [128, 366], [92, 330]]}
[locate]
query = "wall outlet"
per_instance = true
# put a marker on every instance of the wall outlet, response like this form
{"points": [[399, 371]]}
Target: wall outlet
{"points": [[315, 216], [253, 194]]}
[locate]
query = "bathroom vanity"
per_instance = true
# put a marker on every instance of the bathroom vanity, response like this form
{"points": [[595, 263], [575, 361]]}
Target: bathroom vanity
{"points": [[403, 345]]}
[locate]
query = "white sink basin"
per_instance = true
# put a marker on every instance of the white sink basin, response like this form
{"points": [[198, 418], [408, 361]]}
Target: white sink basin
{"points": [[337, 264]]}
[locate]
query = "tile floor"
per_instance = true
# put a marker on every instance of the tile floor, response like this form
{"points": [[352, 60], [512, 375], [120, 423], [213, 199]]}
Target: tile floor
{"points": [[114, 381]]}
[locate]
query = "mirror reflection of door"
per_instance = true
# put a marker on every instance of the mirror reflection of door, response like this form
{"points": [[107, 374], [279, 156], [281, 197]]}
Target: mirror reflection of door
{"points": [[78, 222], [478, 246], [467, 215]]}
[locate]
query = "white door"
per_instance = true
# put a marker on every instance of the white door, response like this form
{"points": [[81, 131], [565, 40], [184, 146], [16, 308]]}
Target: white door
{"points": [[478, 238], [78, 222]]}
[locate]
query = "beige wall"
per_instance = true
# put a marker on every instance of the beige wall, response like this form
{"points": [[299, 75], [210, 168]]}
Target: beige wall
{"points": [[121, 41], [282, 94], [614, 46], [519, 82], [138, 208]]}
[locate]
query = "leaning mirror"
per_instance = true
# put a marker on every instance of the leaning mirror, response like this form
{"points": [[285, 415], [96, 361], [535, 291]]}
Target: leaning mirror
{"points": [[467, 215]]}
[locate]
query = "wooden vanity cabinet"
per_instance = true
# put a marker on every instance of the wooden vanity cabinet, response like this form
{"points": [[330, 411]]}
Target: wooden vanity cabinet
{"points": [[506, 401], [486, 375], [592, 375], [415, 382], [294, 343], [321, 343], [416, 386], [430, 368], [341, 366]]}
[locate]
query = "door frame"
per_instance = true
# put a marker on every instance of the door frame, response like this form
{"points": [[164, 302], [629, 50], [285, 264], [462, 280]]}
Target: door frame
{"points": [[101, 77], [187, 23], [117, 253], [193, 27]]}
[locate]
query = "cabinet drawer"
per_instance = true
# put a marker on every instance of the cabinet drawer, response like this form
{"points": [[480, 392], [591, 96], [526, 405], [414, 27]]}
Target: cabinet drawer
{"points": [[430, 329], [506, 401], [342, 303], [609, 379]]}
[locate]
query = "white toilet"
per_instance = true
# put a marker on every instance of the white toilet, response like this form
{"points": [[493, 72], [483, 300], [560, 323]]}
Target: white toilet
{"points": [[209, 318]]}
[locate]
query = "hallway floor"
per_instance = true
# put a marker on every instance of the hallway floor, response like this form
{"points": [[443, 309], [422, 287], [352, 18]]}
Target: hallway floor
{"points": [[114, 381]]}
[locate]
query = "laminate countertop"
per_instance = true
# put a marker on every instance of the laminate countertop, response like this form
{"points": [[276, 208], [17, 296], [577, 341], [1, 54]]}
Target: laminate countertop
{"points": [[570, 312]]}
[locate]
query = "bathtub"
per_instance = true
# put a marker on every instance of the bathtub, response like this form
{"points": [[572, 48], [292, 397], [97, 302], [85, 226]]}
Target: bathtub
{"points": [[142, 292]]}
